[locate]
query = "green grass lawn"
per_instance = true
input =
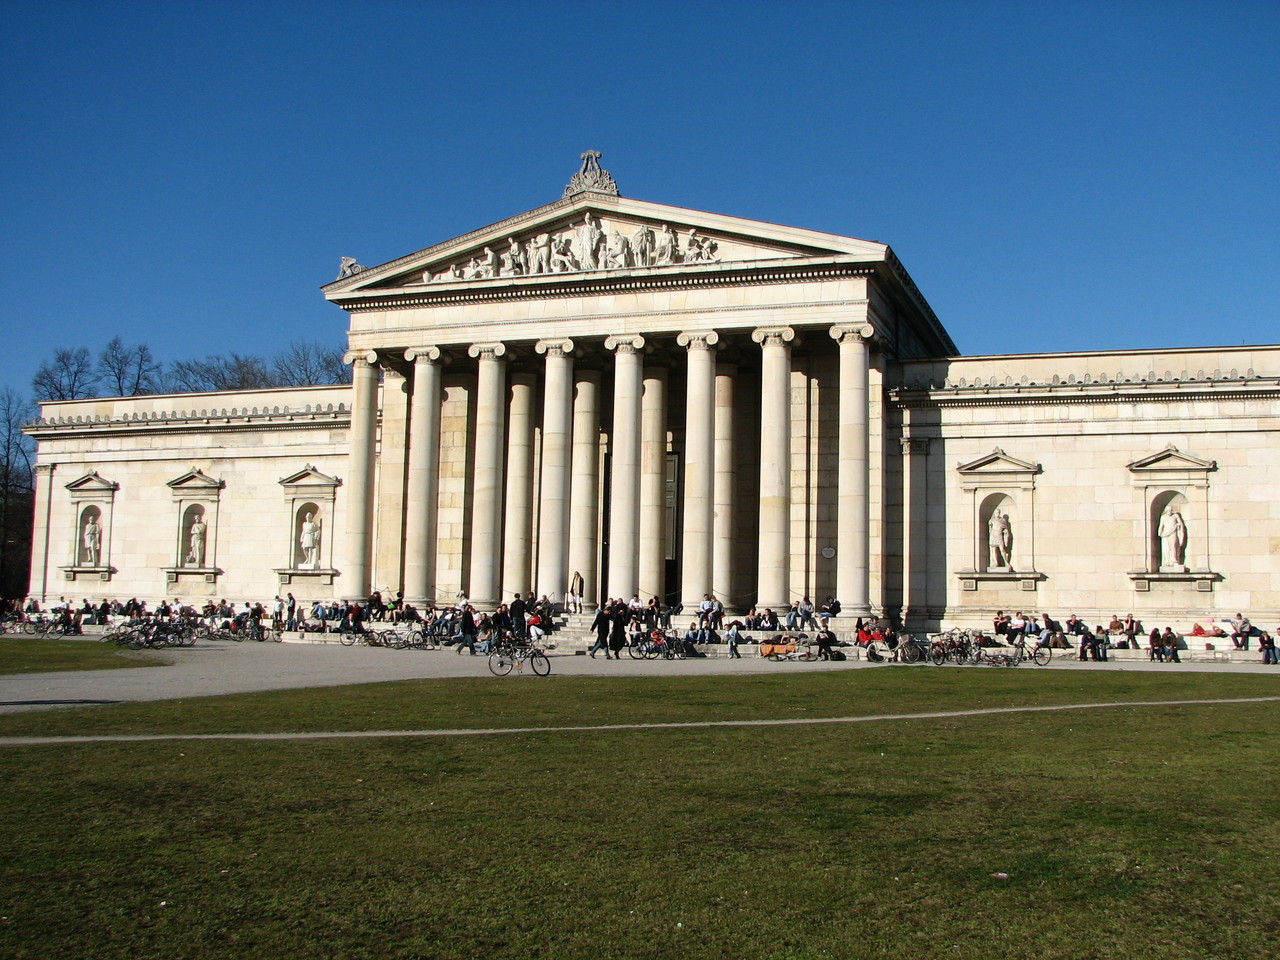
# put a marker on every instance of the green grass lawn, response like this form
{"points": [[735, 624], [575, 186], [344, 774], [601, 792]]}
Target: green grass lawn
{"points": [[1122, 832], [23, 654]]}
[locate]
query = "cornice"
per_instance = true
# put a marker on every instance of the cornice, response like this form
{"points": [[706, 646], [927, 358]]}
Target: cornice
{"points": [[222, 421], [591, 285], [1083, 393]]}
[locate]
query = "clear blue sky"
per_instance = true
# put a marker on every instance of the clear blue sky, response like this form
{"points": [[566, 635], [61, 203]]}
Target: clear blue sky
{"points": [[1055, 175]]}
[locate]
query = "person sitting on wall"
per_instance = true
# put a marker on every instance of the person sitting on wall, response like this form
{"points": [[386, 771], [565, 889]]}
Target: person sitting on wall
{"points": [[1267, 644], [1241, 629], [1155, 646], [826, 641], [1169, 641], [769, 620], [1000, 623]]}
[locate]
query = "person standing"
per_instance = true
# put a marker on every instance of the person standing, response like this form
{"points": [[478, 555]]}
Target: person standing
{"points": [[517, 609], [600, 627], [619, 616]]}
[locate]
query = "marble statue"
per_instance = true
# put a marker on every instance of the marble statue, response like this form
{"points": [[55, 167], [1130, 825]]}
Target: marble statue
{"points": [[539, 256], [348, 267], [699, 249], [999, 540], [562, 258], [92, 539], [1172, 532], [668, 246], [513, 263], [590, 238], [618, 251], [309, 542], [642, 245], [195, 543]]}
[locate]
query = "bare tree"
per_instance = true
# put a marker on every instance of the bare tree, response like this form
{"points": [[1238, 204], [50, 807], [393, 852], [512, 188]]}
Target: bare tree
{"points": [[68, 376], [128, 371], [232, 372], [309, 363], [17, 494]]}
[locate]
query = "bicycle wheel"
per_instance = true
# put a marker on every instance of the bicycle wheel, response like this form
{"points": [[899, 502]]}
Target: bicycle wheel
{"points": [[876, 653], [539, 662], [636, 651], [807, 655], [500, 664], [1041, 655], [938, 654], [347, 639], [776, 657], [909, 652]]}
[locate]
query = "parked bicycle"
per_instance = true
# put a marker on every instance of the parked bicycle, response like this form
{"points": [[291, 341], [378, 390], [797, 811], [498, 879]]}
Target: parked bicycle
{"points": [[509, 654]]}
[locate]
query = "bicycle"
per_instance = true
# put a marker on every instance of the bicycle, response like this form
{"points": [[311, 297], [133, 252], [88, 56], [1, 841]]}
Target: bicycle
{"points": [[515, 654], [907, 650], [1040, 654]]}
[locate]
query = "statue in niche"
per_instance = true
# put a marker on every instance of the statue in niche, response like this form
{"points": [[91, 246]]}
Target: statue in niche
{"points": [[513, 263], [539, 254], [999, 540], [642, 246], [562, 258], [590, 238], [668, 246], [618, 252], [92, 540], [309, 543], [195, 542], [1172, 532]]}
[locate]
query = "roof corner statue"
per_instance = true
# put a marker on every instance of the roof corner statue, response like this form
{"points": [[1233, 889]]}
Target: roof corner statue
{"points": [[591, 177], [348, 267]]}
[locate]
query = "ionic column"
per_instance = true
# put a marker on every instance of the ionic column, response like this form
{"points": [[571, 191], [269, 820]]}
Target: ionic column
{"points": [[653, 477], [364, 420], [915, 542], [486, 500], [422, 487], [584, 503], [774, 561], [699, 466], [723, 565], [624, 443], [40, 540], [853, 477], [553, 508], [517, 530]]}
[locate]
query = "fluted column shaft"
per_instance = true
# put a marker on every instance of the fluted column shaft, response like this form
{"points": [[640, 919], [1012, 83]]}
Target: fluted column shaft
{"points": [[584, 520], [423, 483], [915, 553], [653, 476], [486, 500], [723, 559], [517, 530], [853, 502], [624, 442], [774, 561], [553, 512], [364, 420], [699, 466]]}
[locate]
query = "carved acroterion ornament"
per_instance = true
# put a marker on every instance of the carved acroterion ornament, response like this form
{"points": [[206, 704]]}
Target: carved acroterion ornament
{"points": [[591, 177]]}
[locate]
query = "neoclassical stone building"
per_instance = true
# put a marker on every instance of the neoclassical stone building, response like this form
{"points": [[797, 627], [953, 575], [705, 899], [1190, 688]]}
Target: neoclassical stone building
{"points": [[678, 403]]}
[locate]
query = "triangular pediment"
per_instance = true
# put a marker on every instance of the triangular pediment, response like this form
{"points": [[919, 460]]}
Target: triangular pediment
{"points": [[590, 233], [92, 483], [998, 462], [1172, 459], [195, 479], [309, 476]]}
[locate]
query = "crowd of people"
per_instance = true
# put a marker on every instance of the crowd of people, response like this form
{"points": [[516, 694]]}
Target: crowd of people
{"points": [[619, 623], [1162, 646]]}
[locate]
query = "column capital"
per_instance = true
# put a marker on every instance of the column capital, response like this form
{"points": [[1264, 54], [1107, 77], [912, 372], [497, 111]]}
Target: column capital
{"points": [[912, 445], [487, 351], [845, 332], [632, 344], [703, 339], [775, 336], [554, 348], [427, 354], [43, 469], [360, 356]]}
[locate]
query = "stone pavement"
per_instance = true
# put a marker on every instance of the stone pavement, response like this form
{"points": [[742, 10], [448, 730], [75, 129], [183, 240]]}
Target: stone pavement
{"points": [[213, 668]]}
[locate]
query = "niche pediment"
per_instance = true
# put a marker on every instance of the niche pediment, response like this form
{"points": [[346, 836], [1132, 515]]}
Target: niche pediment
{"points": [[92, 483], [998, 462], [1172, 460], [195, 481], [309, 478]]}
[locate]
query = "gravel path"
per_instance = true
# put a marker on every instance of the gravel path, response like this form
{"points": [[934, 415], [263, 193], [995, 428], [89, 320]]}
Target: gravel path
{"points": [[209, 669]]}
